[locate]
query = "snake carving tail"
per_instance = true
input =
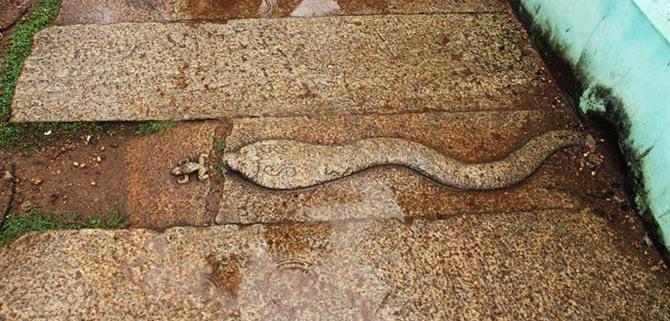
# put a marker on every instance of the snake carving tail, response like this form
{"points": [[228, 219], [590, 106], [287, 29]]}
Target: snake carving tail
{"points": [[287, 164]]}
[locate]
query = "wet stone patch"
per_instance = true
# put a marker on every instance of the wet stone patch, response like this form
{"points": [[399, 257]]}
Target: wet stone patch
{"points": [[115, 11], [523, 266]]}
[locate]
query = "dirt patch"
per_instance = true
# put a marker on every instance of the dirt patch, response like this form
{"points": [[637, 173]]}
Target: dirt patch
{"points": [[79, 175]]}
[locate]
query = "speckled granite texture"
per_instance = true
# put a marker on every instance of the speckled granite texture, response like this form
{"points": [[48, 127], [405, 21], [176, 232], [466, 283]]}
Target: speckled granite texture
{"points": [[290, 164], [265, 67], [391, 191], [115, 11], [545, 265]]}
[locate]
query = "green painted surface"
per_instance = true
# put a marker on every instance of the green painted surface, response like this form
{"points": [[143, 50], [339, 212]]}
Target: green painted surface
{"points": [[620, 53]]}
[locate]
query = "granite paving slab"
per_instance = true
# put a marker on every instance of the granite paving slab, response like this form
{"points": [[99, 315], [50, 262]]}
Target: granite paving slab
{"points": [[394, 191], [544, 265], [280, 67], [115, 11]]}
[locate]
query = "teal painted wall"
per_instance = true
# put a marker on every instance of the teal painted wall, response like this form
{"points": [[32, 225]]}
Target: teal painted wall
{"points": [[620, 52]]}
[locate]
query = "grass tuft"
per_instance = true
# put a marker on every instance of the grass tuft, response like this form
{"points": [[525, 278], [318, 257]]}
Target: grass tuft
{"points": [[34, 135], [153, 127], [219, 149], [34, 221], [219, 145]]}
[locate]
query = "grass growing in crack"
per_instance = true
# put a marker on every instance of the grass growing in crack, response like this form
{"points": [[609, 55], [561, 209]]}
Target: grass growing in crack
{"points": [[153, 127], [219, 145], [20, 43], [32, 136], [34, 221], [219, 148]]}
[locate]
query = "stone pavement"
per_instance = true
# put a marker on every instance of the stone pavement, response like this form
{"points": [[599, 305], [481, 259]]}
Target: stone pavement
{"points": [[279, 67], [115, 11], [391, 242], [544, 265]]}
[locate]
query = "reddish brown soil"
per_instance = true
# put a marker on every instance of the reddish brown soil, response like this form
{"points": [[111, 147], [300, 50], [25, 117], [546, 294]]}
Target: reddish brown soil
{"points": [[48, 179]]}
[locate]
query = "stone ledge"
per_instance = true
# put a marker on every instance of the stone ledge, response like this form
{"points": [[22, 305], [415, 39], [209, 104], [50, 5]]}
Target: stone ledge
{"points": [[556, 265], [280, 67]]}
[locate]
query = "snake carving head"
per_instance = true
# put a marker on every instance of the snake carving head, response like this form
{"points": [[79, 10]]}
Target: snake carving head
{"points": [[245, 161], [276, 164]]}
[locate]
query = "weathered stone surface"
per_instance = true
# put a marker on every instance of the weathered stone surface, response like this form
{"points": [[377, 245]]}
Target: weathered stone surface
{"points": [[289, 164], [279, 67], [313, 8], [548, 265], [11, 11], [390, 191], [115, 11], [154, 199]]}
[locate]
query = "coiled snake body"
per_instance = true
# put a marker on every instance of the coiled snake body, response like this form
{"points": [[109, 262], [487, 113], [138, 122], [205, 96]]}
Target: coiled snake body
{"points": [[287, 164]]}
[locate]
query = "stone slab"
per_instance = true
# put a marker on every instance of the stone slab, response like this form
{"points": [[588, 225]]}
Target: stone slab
{"points": [[545, 265], [280, 67], [115, 11], [392, 191], [11, 11], [154, 199]]}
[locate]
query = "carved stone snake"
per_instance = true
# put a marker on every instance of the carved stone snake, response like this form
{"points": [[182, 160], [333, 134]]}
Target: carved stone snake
{"points": [[287, 164]]}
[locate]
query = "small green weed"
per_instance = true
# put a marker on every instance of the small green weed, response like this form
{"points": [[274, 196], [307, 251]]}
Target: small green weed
{"points": [[219, 148], [34, 135], [219, 145], [153, 127], [34, 221]]}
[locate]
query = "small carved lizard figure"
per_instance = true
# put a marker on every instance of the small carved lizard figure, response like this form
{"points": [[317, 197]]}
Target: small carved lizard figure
{"points": [[187, 167]]}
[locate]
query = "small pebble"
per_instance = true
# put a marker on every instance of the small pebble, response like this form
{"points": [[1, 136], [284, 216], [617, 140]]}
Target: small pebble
{"points": [[8, 176], [26, 206], [37, 181], [75, 164], [93, 183]]}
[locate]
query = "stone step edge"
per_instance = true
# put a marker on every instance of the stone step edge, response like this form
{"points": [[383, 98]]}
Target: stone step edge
{"points": [[315, 115], [350, 221]]}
